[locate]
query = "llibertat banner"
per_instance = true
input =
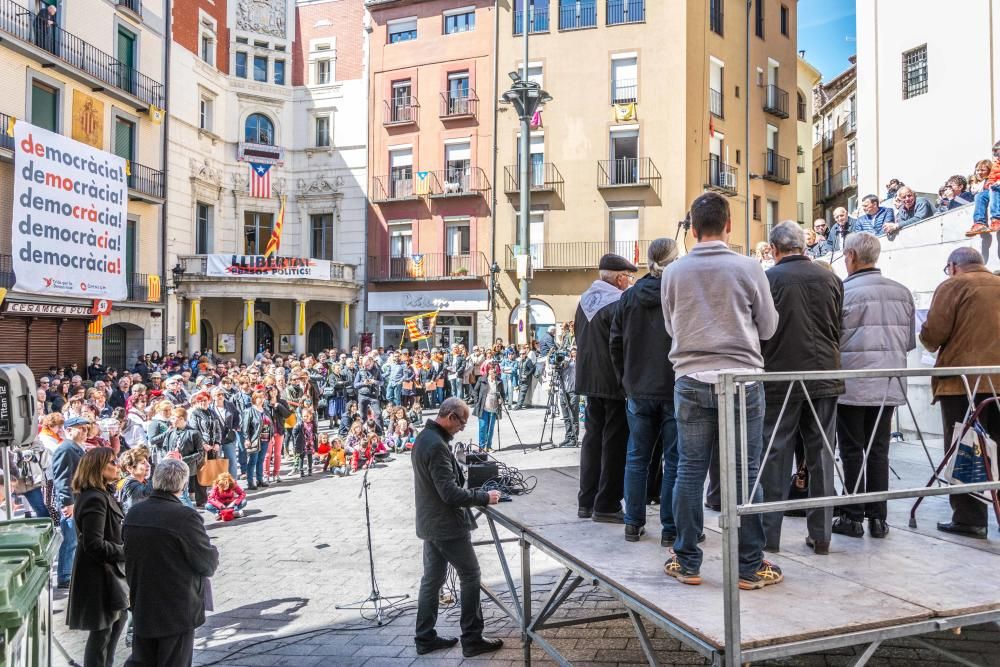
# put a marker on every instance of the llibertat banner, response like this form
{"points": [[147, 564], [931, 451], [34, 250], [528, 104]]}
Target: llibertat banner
{"points": [[268, 266], [69, 223]]}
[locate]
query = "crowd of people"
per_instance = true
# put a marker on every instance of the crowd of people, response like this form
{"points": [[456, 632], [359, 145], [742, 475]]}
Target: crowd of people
{"points": [[654, 351]]}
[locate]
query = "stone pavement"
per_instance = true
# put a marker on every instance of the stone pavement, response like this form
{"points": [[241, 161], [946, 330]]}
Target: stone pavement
{"points": [[301, 552]]}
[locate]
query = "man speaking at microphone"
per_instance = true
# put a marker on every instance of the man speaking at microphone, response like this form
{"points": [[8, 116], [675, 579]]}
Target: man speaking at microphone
{"points": [[444, 524]]}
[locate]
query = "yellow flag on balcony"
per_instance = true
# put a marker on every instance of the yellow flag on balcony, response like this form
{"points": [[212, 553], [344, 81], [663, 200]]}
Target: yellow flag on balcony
{"points": [[155, 114], [128, 167], [625, 111], [153, 289], [422, 183], [275, 241], [96, 326], [10, 126]]}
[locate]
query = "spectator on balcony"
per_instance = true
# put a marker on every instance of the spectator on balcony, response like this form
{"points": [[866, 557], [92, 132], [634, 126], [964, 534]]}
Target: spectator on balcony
{"points": [[892, 188], [977, 181], [960, 195], [912, 209], [874, 218], [817, 240], [985, 201], [843, 224]]}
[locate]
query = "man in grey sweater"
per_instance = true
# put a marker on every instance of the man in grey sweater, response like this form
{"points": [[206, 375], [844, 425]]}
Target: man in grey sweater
{"points": [[717, 307]]}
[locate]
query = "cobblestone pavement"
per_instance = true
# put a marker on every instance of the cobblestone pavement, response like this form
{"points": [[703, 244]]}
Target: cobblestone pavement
{"points": [[301, 551]]}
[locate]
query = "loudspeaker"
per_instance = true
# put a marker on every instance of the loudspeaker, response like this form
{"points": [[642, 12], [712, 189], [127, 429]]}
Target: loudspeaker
{"points": [[480, 473]]}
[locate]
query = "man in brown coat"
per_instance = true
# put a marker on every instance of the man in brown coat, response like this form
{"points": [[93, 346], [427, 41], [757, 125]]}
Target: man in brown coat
{"points": [[962, 327]]}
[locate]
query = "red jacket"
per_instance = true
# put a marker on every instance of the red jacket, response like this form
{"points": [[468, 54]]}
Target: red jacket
{"points": [[233, 496], [994, 176]]}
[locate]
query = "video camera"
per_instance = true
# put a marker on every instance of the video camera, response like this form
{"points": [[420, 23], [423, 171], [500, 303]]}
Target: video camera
{"points": [[557, 358]]}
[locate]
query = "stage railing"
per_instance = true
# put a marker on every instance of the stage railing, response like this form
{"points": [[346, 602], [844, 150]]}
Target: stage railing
{"points": [[731, 390]]}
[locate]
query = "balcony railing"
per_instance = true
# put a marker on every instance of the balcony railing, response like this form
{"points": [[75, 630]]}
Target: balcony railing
{"points": [[849, 125], [835, 184], [715, 103], [459, 106], [827, 141], [582, 15], [627, 172], [579, 255], [428, 266], [543, 177], [775, 167], [196, 267], [624, 91], [146, 180], [626, 11], [776, 101], [400, 111], [538, 20], [459, 182], [720, 176], [28, 28], [397, 187], [131, 5], [6, 141]]}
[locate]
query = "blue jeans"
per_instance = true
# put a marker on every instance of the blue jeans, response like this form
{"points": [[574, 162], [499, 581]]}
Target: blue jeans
{"points": [[241, 454], [36, 501], [394, 393], [487, 421], [649, 420], [186, 494], [259, 462], [215, 510], [984, 200], [508, 386], [253, 469], [229, 451], [67, 550], [439, 395], [456, 386], [697, 411]]}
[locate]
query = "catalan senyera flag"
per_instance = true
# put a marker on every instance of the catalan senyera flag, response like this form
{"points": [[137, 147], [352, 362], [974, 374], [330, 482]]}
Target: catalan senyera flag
{"points": [[153, 293], [275, 241], [96, 326], [421, 327]]}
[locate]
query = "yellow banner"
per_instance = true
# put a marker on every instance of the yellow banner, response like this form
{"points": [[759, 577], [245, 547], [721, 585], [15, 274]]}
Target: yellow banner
{"points": [[96, 326], [248, 307], [422, 183], [153, 294], [10, 126], [421, 327], [88, 120], [625, 111], [155, 114], [195, 317], [347, 315], [302, 318]]}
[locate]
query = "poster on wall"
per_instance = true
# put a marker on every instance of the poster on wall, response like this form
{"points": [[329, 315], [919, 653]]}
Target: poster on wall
{"points": [[226, 344], [264, 266], [69, 217], [285, 344]]}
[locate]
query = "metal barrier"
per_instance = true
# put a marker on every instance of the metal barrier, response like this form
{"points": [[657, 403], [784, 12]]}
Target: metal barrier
{"points": [[731, 390]]}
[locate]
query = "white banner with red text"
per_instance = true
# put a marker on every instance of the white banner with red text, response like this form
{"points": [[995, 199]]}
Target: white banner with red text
{"points": [[273, 266]]}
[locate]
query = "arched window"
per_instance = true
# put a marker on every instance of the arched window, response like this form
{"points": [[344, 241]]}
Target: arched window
{"points": [[259, 130], [802, 107]]}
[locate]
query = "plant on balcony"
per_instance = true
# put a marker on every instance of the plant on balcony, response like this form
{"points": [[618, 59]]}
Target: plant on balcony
{"points": [[460, 271]]}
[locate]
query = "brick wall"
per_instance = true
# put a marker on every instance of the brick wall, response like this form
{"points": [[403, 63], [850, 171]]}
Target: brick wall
{"points": [[186, 32], [342, 19]]}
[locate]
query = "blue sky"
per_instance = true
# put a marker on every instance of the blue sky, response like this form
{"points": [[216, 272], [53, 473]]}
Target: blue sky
{"points": [[827, 33]]}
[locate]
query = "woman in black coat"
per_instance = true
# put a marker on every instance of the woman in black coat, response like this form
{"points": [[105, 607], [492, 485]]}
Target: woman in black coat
{"points": [[98, 594]]}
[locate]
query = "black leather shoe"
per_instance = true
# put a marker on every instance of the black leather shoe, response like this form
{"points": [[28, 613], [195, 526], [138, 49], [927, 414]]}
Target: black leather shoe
{"points": [[714, 508], [609, 517], [633, 533], [978, 532], [436, 645], [483, 645], [820, 547], [844, 526], [584, 512], [878, 528]]}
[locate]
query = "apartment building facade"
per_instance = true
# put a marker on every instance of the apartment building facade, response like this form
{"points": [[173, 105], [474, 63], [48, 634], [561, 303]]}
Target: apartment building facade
{"points": [[92, 72], [808, 78], [267, 106], [648, 112], [835, 146], [432, 103]]}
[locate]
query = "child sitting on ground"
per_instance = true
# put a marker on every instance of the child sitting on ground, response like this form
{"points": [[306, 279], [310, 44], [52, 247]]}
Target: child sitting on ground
{"points": [[337, 459], [226, 494], [378, 448], [415, 413], [361, 452], [401, 438], [323, 449]]}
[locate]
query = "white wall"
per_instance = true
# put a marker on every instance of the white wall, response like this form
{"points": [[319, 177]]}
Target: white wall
{"points": [[924, 140]]}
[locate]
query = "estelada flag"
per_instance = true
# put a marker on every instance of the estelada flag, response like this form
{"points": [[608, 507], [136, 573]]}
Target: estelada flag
{"points": [[421, 327], [275, 241]]}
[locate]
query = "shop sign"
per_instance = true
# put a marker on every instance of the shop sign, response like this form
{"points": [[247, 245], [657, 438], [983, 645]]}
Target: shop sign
{"points": [[56, 309], [446, 301], [261, 266]]}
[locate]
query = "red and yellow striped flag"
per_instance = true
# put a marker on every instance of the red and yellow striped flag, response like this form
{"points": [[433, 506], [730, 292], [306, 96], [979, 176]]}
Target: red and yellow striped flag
{"points": [[275, 242]]}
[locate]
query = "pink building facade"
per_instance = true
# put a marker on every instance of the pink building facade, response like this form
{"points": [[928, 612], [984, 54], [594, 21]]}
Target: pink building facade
{"points": [[431, 116]]}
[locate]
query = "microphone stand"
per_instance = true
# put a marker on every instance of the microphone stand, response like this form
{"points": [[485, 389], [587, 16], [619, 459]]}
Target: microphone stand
{"points": [[378, 602]]}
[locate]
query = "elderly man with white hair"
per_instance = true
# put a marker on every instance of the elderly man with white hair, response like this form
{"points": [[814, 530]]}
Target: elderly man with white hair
{"points": [[877, 332], [168, 559], [808, 298]]}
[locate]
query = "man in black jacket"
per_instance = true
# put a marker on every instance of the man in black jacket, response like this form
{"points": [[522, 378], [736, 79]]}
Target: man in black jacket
{"points": [[168, 558], [525, 372], [443, 523], [602, 456], [809, 299], [639, 346]]}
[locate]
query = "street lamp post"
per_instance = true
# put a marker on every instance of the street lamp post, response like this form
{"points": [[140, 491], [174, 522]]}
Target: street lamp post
{"points": [[526, 97]]}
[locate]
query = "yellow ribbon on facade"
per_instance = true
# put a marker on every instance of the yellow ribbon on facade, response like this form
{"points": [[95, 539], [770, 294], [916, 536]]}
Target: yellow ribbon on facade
{"points": [[302, 318], [247, 314], [194, 317]]}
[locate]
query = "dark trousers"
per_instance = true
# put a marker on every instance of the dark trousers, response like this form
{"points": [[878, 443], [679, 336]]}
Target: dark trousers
{"points": [[524, 392], [200, 492], [366, 402], [569, 403], [306, 461], [798, 424], [101, 644], [855, 424], [602, 455], [965, 509], [437, 555], [172, 651]]}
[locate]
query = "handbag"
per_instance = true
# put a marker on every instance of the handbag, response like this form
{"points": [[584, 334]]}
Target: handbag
{"points": [[439, 383], [974, 452], [430, 386], [407, 386], [210, 471]]}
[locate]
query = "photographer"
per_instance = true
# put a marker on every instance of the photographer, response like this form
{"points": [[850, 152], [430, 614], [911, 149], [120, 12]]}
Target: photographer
{"points": [[524, 373], [569, 400], [367, 385]]}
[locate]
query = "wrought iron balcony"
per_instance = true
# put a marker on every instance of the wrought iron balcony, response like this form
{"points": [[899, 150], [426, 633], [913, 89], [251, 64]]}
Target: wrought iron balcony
{"points": [[827, 141], [398, 187], [458, 182], [428, 266], [131, 5], [627, 172], [625, 91], [145, 288], [720, 177], [715, 103], [626, 11], [454, 107], [400, 111], [146, 181], [775, 168], [538, 20], [6, 142], [833, 185], [542, 177], [574, 16], [849, 125], [776, 101], [34, 36]]}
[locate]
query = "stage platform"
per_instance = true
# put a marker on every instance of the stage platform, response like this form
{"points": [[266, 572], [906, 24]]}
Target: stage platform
{"points": [[866, 591]]}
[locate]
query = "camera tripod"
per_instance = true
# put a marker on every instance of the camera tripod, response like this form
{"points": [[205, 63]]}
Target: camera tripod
{"points": [[376, 602], [556, 389]]}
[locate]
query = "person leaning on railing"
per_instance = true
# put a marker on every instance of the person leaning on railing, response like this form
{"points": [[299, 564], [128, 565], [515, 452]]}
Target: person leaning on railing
{"points": [[962, 327]]}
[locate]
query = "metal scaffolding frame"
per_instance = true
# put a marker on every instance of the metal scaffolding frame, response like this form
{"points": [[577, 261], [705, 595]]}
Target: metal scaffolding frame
{"points": [[731, 392]]}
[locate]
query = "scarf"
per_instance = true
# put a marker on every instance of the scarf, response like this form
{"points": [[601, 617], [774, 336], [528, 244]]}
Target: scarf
{"points": [[598, 295]]}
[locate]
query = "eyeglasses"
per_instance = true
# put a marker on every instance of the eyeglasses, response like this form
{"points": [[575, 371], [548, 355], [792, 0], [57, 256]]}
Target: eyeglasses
{"points": [[459, 419], [947, 269]]}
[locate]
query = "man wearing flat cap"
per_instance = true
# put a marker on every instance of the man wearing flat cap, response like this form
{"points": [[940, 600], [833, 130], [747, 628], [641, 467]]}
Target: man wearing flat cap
{"points": [[602, 454]]}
